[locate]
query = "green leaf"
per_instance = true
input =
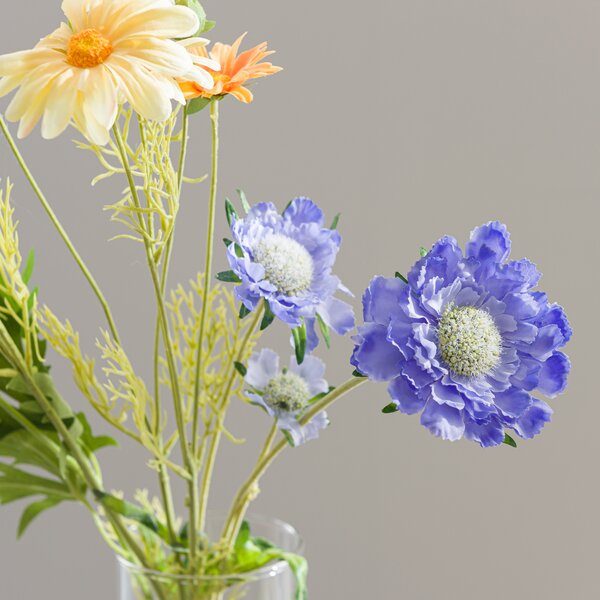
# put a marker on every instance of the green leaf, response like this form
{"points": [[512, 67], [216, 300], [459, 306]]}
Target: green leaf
{"points": [[324, 328], [25, 449], [240, 368], [268, 317], [400, 276], [16, 484], [238, 251], [243, 536], [244, 201], [227, 242], [357, 373], [244, 312], [208, 26], [335, 221], [423, 251], [392, 407], [28, 271], [509, 441], [196, 105], [33, 510], [228, 276], [199, 10], [132, 512], [91, 442], [230, 211], [288, 437], [299, 335]]}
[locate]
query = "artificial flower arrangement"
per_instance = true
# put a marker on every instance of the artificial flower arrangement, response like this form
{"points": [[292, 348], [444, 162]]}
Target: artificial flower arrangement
{"points": [[462, 338]]}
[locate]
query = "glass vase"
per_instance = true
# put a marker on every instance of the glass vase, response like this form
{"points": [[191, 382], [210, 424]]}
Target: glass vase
{"points": [[275, 581]]}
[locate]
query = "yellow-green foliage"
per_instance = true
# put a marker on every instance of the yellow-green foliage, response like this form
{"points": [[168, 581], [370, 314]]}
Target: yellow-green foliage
{"points": [[156, 180], [224, 345], [16, 301]]}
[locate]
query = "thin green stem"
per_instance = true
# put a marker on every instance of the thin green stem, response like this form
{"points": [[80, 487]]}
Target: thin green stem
{"points": [[244, 495], [171, 363], [216, 436], [210, 235], [38, 192]]}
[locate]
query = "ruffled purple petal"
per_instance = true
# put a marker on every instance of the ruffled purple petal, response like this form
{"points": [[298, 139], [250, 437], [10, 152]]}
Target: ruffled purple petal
{"points": [[553, 375], [382, 299], [405, 396], [262, 367], [489, 243], [374, 356], [513, 403], [486, 434], [303, 210], [312, 370], [533, 420], [443, 421]]}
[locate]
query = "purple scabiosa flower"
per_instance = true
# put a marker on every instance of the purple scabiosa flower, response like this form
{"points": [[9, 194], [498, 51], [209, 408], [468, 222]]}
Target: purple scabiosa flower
{"points": [[465, 341], [285, 394], [286, 261]]}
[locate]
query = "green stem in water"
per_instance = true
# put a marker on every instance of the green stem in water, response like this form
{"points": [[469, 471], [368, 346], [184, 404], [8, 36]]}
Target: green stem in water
{"points": [[216, 438], [38, 192], [244, 495]]}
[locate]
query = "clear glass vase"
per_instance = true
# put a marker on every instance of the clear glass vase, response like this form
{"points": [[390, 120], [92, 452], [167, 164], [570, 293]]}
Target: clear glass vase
{"points": [[272, 582]]}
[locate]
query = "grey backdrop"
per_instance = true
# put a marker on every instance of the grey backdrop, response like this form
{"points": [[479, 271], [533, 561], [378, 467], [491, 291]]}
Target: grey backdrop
{"points": [[414, 118]]}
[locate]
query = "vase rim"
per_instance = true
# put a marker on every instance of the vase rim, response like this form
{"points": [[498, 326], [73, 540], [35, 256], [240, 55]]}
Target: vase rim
{"points": [[270, 570]]}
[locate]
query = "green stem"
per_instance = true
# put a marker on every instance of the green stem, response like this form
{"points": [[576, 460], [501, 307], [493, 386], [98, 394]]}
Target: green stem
{"points": [[210, 235], [38, 192], [216, 438], [243, 497], [173, 375]]}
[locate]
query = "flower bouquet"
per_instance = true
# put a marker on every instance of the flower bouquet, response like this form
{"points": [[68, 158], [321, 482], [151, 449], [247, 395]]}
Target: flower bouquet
{"points": [[462, 337]]}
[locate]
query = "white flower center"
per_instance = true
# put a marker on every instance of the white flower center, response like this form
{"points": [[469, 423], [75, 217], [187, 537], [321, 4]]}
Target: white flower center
{"points": [[288, 392], [469, 341], [288, 264]]}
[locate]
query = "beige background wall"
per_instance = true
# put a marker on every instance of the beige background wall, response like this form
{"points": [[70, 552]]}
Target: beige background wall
{"points": [[414, 118]]}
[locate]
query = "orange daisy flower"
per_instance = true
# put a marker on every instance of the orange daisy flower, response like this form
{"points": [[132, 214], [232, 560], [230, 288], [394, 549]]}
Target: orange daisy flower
{"points": [[235, 70]]}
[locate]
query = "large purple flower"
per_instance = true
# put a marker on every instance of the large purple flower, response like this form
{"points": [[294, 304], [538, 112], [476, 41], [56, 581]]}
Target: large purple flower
{"points": [[287, 261], [466, 340], [285, 394]]}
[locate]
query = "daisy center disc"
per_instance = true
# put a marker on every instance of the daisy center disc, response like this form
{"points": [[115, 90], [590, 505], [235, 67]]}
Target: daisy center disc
{"points": [[288, 392], [88, 49], [469, 341], [288, 265]]}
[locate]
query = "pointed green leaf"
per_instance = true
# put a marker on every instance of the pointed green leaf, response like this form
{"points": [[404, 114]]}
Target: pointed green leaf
{"points": [[227, 242], [335, 221], [299, 335], [423, 251], [230, 211], [244, 201], [400, 276], [28, 271], [244, 312], [228, 277], [392, 407], [33, 510], [324, 328], [208, 26], [357, 373], [268, 317], [240, 368], [196, 105], [509, 441]]}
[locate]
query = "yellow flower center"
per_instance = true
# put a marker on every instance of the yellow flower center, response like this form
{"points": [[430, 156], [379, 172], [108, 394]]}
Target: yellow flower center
{"points": [[88, 49]]}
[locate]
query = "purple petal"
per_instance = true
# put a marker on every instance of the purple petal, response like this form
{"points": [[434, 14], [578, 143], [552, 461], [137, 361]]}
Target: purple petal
{"points": [[303, 210], [382, 299], [338, 315], [262, 367], [553, 375], [513, 402], [534, 419], [443, 421], [312, 370], [489, 243], [490, 433], [374, 356], [405, 396]]}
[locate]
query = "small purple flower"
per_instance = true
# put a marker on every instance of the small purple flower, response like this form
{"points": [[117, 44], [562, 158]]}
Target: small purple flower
{"points": [[466, 340], [287, 261], [285, 394]]}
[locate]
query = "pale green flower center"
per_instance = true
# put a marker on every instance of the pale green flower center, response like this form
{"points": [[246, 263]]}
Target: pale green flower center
{"points": [[288, 392], [469, 341], [288, 265]]}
